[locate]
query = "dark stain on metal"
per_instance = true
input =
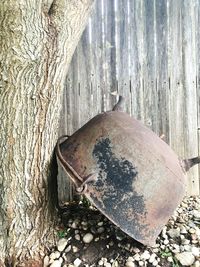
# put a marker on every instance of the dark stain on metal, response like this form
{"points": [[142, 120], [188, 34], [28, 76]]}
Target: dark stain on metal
{"points": [[119, 175]]}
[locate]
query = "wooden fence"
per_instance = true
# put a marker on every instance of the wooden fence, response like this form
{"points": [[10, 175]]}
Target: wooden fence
{"points": [[149, 52]]}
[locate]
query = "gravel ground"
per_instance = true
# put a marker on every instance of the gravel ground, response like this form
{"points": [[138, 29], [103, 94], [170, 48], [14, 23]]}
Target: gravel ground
{"points": [[87, 238]]}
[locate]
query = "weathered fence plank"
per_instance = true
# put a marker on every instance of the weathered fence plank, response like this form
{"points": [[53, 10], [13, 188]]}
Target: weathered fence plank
{"points": [[136, 57], [189, 78], [148, 51], [162, 76]]}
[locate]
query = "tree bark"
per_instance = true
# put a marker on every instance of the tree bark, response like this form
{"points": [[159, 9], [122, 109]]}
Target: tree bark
{"points": [[38, 38]]}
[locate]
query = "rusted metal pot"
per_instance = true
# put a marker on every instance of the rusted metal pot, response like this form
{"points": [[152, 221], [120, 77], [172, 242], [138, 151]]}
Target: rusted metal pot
{"points": [[130, 174]]}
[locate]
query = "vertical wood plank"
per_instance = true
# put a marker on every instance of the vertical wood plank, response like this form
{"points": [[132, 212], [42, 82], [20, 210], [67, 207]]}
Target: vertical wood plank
{"points": [[198, 80], [150, 87], [96, 45], [189, 76], [162, 69], [84, 77], [109, 52], [122, 41], [175, 69], [136, 48]]}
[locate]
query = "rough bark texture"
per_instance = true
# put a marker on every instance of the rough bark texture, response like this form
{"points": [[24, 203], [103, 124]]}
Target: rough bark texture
{"points": [[38, 38]]}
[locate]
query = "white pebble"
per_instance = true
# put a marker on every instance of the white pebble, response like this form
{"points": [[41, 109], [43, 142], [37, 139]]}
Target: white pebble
{"points": [[192, 231], [197, 264], [56, 263], [74, 225], [77, 237], [173, 233], [54, 255], [187, 247], [185, 258], [68, 248], [130, 259], [87, 238], [145, 255], [62, 243], [185, 242], [100, 262], [196, 251], [46, 261], [152, 258], [169, 259], [136, 250], [115, 263], [130, 264], [75, 249], [141, 263], [107, 264], [196, 214], [137, 257], [77, 262], [166, 242], [155, 263]]}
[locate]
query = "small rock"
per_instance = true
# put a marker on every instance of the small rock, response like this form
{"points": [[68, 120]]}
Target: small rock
{"points": [[145, 255], [166, 242], [130, 259], [173, 233], [136, 250], [187, 247], [192, 231], [54, 255], [141, 263], [77, 262], [152, 258], [162, 247], [100, 223], [100, 262], [77, 237], [183, 230], [56, 263], [107, 264], [156, 250], [137, 257], [185, 258], [130, 264], [62, 243], [169, 259], [60, 260], [75, 249], [115, 264], [196, 214], [100, 230], [185, 242], [87, 238], [68, 248], [196, 251], [46, 261], [180, 210], [197, 264], [155, 263]]}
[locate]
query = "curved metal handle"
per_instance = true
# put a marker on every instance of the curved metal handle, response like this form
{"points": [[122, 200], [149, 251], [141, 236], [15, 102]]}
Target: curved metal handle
{"points": [[79, 182]]}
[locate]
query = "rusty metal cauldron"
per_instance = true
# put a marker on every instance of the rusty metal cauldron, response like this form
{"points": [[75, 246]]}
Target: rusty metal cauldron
{"points": [[132, 176]]}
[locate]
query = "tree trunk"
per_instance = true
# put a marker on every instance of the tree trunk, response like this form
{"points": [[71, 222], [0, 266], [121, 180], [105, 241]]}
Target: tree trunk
{"points": [[38, 38]]}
